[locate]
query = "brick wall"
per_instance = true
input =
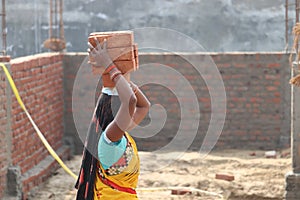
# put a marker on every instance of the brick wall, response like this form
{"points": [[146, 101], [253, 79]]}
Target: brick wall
{"points": [[258, 99], [75, 135], [39, 81]]}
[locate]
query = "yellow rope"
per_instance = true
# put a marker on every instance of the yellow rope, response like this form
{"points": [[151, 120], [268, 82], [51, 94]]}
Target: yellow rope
{"points": [[41, 136], [190, 189]]}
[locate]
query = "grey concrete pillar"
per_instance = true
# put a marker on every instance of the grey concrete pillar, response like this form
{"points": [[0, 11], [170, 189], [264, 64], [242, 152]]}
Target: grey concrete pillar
{"points": [[13, 190], [293, 178], [8, 135], [14, 182]]}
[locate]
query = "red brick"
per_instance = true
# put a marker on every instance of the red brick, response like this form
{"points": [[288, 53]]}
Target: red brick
{"points": [[180, 191], [271, 88], [240, 65], [44, 59], [114, 38], [19, 66], [274, 100], [273, 65], [257, 57], [272, 77], [4, 58], [121, 53], [225, 177], [34, 62]]}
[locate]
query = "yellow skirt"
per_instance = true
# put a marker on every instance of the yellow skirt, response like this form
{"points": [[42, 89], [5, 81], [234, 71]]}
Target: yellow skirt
{"points": [[105, 192]]}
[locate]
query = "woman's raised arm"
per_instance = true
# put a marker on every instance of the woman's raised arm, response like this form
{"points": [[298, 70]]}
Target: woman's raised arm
{"points": [[124, 116], [134, 104]]}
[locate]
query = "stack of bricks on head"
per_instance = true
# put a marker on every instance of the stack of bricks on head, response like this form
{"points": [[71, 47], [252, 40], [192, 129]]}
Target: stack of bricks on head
{"points": [[121, 49]]}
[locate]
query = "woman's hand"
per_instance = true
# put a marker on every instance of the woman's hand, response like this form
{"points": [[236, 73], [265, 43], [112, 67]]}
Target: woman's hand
{"points": [[99, 57]]}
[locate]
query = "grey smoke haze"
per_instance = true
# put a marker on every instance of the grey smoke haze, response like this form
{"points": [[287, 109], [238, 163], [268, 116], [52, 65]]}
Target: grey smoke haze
{"points": [[218, 25]]}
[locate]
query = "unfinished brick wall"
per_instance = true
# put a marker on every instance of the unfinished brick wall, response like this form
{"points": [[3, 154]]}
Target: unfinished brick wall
{"points": [[39, 81], [258, 99], [72, 63]]}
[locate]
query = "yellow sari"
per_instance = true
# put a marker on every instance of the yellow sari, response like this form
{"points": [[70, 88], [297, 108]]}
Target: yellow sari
{"points": [[124, 183]]}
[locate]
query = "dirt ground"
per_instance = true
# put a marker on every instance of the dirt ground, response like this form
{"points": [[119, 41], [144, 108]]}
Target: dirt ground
{"points": [[255, 177]]}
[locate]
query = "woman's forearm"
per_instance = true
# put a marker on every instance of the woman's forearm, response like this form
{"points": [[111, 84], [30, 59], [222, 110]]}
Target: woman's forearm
{"points": [[142, 106], [142, 100], [128, 100], [124, 90], [134, 105]]}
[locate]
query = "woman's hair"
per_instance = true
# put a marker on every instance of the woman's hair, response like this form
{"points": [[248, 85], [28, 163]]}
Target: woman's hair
{"points": [[107, 108]]}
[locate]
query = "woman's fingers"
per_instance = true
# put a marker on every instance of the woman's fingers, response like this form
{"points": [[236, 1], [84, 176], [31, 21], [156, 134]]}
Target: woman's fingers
{"points": [[98, 55], [92, 53], [98, 45], [92, 63], [90, 45], [104, 44]]}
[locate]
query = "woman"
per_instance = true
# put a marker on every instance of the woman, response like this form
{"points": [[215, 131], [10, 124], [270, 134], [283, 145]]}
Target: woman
{"points": [[115, 174]]}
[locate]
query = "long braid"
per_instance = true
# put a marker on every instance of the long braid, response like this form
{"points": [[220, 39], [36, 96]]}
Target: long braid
{"points": [[106, 109]]}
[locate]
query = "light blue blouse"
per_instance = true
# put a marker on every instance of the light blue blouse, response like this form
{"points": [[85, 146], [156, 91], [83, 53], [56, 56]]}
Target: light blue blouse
{"points": [[110, 152]]}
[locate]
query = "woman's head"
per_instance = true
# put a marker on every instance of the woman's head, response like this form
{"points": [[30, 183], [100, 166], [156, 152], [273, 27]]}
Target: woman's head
{"points": [[107, 82], [107, 108]]}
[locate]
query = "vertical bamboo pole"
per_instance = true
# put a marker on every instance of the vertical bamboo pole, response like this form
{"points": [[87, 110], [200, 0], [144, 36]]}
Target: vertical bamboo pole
{"points": [[297, 10], [286, 24], [4, 31], [61, 23], [55, 19], [50, 20]]}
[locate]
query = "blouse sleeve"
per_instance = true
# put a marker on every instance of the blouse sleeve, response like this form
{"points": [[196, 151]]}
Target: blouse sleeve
{"points": [[110, 152]]}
